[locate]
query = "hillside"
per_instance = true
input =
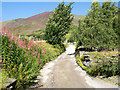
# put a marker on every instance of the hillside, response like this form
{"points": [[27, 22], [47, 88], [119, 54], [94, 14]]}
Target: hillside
{"points": [[34, 23]]}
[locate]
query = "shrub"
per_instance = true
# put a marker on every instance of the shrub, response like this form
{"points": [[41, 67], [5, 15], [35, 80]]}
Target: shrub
{"points": [[61, 47], [105, 68], [107, 65], [18, 63], [3, 78], [80, 63], [23, 59], [82, 57]]}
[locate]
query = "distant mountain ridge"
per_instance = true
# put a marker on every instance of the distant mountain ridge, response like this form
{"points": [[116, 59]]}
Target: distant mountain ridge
{"points": [[34, 23]]}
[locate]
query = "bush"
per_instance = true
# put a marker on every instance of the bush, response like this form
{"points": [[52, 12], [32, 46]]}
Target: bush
{"points": [[61, 47], [105, 68], [80, 63], [23, 59], [3, 78], [82, 57], [107, 64], [18, 62], [79, 43]]}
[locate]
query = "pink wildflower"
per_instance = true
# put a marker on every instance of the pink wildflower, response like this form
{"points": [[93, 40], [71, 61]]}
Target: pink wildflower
{"points": [[38, 55], [19, 36], [24, 44], [36, 52], [10, 36], [40, 44], [33, 52], [34, 44], [3, 33], [32, 41], [13, 31], [44, 50], [20, 42], [36, 39], [15, 41], [29, 47], [10, 45]]}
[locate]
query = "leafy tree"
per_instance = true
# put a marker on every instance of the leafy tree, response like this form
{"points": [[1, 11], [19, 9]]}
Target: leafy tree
{"points": [[72, 34], [110, 26], [91, 26], [58, 24], [79, 33], [100, 26]]}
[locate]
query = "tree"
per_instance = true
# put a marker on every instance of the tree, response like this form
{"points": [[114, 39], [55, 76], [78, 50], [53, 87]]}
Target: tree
{"points": [[58, 24], [109, 12], [100, 27], [91, 31], [72, 34], [79, 35]]}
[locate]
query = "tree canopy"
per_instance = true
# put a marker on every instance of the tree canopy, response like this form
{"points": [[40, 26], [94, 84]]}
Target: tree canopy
{"points": [[58, 24], [100, 26]]}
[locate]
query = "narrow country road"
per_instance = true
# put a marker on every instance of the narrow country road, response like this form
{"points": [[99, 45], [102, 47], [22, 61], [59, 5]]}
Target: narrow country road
{"points": [[65, 73]]}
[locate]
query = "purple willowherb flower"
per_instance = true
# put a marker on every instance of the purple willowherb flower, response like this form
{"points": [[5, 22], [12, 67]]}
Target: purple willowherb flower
{"points": [[41, 59], [10, 36], [44, 50], [40, 44], [34, 44], [10, 45], [15, 41], [36, 39], [20, 43], [33, 52], [3, 33], [38, 55], [11, 51], [32, 41], [29, 47]]}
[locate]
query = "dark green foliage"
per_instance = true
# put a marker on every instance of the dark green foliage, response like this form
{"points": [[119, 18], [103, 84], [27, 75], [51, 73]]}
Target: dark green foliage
{"points": [[100, 26], [108, 67], [79, 33], [72, 34], [61, 47], [105, 68], [58, 24]]}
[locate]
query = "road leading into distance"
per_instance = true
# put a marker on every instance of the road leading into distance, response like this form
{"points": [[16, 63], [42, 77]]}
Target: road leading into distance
{"points": [[64, 72]]}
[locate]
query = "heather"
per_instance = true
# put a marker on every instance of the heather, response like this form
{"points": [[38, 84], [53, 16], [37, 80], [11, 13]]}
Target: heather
{"points": [[23, 59]]}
